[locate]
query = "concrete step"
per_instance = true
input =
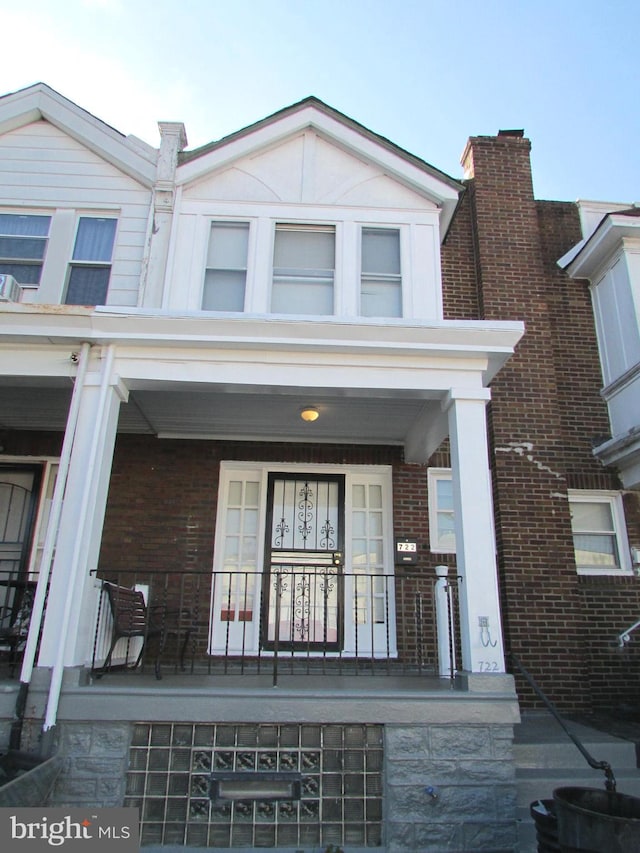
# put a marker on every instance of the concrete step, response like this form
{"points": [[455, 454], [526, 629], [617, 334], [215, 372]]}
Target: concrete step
{"points": [[540, 784], [546, 758], [619, 754]]}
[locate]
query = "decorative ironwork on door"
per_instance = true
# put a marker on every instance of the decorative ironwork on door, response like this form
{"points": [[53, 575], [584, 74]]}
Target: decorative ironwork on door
{"points": [[303, 596]]}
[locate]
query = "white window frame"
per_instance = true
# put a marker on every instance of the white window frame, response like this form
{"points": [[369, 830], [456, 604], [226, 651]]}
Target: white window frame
{"points": [[309, 226], [21, 260], [249, 260], [87, 263], [433, 476], [388, 278], [614, 500], [61, 241]]}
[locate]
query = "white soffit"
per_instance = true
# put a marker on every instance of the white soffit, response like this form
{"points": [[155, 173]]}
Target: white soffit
{"points": [[602, 244]]}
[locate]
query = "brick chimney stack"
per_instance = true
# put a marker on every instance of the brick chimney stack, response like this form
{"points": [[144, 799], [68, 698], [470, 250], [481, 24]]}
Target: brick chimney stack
{"points": [[535, 547]]}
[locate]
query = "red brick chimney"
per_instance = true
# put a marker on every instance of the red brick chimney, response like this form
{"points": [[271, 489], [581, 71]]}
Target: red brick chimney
{"points": [[533, 528]]}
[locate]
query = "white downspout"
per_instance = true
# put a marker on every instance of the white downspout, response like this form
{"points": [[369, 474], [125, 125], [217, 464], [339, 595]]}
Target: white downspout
{"points": [[58, 667], [54, 518]]}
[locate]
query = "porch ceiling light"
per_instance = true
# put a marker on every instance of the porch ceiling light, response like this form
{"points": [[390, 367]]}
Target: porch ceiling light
{"points": [[309, 414]]}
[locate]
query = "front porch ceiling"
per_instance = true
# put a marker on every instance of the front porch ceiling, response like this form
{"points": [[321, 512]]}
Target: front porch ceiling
{"points": [[225, 413]]}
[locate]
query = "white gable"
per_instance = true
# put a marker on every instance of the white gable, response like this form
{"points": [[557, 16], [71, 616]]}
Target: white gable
{"points": [[128, 154], [307, 169], [312, 154], [62, 178], [312, 167]]}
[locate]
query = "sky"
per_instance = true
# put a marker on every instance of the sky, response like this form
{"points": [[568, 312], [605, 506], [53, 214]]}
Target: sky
{"points": [[426, 74]]}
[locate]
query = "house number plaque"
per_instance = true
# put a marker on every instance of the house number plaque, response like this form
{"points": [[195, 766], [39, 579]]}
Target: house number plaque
{"points": [[406, 552]]}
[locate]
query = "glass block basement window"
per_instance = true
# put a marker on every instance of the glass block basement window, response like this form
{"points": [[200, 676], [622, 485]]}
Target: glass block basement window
{"points": [[339, 767]]}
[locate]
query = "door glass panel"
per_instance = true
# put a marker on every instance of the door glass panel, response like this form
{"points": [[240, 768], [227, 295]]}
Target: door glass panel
{"points": [[369, 589], [237, 584]]}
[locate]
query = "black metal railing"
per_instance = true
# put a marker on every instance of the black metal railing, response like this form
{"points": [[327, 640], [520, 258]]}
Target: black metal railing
{"points": [[296, 620], [17, 592]]}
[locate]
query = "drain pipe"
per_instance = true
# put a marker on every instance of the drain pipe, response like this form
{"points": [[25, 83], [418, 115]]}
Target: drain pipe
{"points": [[51, 536], [55, 687]]}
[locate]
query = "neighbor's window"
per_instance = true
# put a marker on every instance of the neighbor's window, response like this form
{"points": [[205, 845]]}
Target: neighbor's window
{"points": [[381, 282], [23, 244], [442, 537], [303, 269], [599, 532], [226, 275], [91, 261]]}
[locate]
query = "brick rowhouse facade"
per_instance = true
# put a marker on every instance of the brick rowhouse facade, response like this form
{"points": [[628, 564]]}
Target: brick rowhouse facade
{"points": [[498, 262]]}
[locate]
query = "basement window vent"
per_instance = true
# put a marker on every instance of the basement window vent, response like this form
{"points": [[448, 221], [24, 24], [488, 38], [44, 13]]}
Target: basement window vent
{"points": [[255, 786]]}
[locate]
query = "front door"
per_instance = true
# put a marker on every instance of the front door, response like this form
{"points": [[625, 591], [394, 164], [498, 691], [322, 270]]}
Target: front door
{"points": [[19, 486], [303, 585], [303, 561]]}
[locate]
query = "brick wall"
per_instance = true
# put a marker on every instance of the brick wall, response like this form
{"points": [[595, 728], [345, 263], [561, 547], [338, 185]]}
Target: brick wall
{"points": [[546, 410]]}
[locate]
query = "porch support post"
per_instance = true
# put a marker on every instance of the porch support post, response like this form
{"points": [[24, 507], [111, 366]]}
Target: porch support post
{"points": [[69, 619], [480, 620]]}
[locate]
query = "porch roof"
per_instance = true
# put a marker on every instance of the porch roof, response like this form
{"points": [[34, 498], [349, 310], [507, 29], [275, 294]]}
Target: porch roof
{"points": [[247, 377]]}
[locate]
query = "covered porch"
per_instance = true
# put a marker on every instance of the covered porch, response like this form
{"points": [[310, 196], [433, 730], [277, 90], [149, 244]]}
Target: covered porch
{"points": [[98, 375]]}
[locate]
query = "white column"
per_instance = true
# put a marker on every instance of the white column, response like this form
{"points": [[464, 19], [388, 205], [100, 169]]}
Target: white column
{"points": [[480, 621], [444, 632], [70, 609]]}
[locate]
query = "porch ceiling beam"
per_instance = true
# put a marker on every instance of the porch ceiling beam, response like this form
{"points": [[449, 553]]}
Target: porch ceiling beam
{"points": [[425, 435]]}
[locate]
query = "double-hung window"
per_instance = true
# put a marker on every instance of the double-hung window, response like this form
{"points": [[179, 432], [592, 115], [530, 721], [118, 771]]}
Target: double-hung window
{"points": [[90, 266], [23, 245], [303, 269], [599, 533], [381, 280], [442, 535], [226, 274]]}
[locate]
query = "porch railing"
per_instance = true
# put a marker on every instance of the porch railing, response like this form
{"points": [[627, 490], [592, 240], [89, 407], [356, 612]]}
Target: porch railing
{"points": [[17, 592], [310, 620]]}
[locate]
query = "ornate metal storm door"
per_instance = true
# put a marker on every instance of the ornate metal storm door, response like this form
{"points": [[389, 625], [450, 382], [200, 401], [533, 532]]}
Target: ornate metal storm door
{"points": [[303, 595]]}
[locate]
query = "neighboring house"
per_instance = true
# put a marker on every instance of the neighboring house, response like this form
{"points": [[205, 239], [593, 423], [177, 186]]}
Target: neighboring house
{"points": [[280, 384]]}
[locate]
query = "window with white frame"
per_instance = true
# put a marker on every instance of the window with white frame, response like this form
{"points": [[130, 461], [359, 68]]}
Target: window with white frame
{"points": [[90, 266], [381, 280], [23, 245], [442, 537], [599, 532], [303, 269], [226, 273]]}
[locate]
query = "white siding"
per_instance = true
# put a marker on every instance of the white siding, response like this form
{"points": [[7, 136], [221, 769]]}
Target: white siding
{"points": [[617, 322], [45, 170]]}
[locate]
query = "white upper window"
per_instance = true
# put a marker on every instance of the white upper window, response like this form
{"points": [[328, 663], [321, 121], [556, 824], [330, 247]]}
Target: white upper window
{"points": [[226, 274], [23, 245], [381, 281], [599, 533], [303, 269], [442, 537], [90, 266]]}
